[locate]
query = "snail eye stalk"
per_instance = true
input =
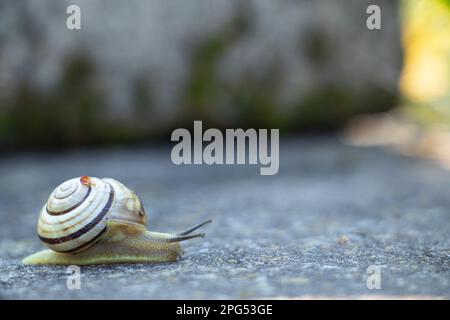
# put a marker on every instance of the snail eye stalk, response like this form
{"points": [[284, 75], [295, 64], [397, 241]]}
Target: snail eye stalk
{"points": [[191, 229]]}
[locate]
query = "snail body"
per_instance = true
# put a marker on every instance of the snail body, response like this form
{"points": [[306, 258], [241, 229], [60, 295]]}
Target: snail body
{"points": [[100, 221]]}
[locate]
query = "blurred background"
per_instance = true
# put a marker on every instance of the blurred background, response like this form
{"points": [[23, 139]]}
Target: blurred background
{"points": [[138, 69], [103, 101]]}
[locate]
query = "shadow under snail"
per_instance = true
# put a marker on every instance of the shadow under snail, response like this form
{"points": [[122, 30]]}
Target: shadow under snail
{"points": [[98, 221]]}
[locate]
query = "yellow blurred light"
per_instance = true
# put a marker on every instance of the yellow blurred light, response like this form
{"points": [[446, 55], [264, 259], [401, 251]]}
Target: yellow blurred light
{"points": [[426, 39]]}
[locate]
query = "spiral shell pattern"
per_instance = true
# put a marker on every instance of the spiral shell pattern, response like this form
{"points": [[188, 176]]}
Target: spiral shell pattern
{"points": [[76, 214]]}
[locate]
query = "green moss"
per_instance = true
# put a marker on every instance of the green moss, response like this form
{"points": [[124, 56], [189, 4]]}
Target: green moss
{"points": [[255, 100], [4, 120], [68, 115], [74, 112], [203, 84], [142, 98], [331, 107], [317, 47], [204, 87]]}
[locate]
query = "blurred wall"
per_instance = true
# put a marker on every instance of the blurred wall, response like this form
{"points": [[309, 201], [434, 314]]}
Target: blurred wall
{"points": [[139, 68]]}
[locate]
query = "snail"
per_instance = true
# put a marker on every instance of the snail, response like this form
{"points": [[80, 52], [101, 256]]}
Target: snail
{"points": [[89, 220]]}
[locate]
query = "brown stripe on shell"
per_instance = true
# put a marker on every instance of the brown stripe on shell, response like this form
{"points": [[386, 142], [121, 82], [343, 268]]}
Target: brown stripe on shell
{"points": [[58, 213], [87, 244], [87, 227]]}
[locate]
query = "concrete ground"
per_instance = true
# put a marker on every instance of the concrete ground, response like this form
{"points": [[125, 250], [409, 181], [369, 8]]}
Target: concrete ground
{"points": [[312, 230]]}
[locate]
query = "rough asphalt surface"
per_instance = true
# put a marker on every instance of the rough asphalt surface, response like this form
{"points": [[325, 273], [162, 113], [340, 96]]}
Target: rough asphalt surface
{"points": [[312, 230]]}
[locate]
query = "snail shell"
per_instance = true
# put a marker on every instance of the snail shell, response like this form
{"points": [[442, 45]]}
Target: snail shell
{"points": [[76, 213]]}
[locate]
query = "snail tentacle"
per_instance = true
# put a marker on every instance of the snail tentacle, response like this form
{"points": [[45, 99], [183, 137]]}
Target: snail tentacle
{"points": [[191, 229], [177, 238]]}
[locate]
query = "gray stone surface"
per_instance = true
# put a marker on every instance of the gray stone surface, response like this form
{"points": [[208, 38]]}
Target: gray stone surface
{"points": [[271, 236]]}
